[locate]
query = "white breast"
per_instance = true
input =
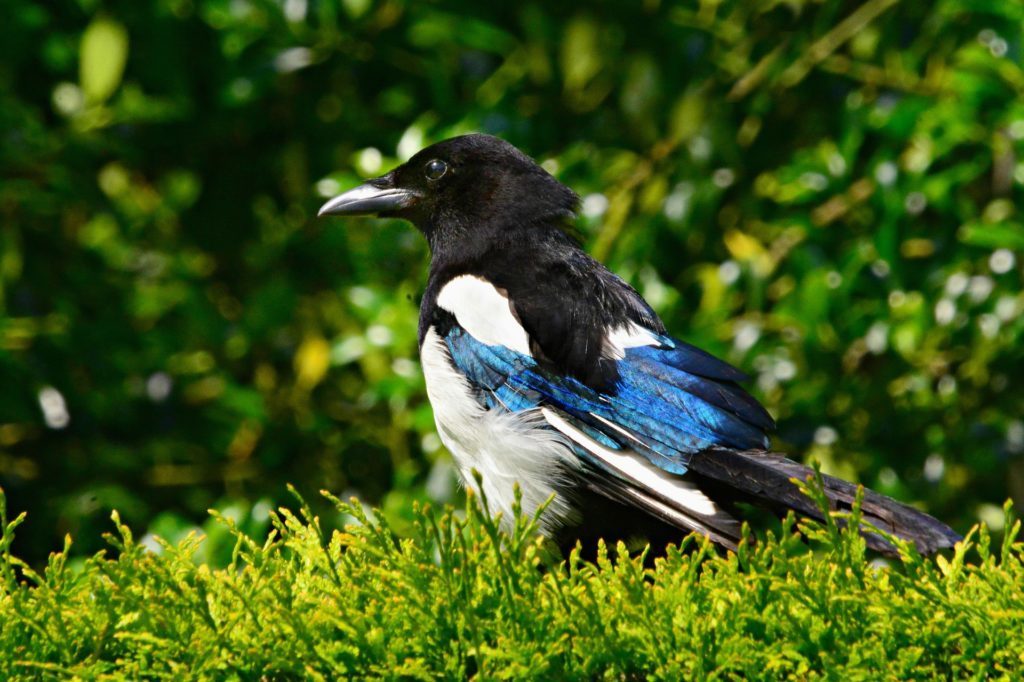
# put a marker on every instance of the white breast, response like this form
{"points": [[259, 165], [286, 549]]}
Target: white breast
{"points": [[504, 447]]}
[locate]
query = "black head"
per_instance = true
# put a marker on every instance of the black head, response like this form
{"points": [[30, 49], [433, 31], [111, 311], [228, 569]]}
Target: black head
{"points": [[463, 187]]}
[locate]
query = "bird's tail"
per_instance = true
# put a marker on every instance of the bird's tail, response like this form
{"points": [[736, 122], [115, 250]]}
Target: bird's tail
{"points": [[765, 478]]}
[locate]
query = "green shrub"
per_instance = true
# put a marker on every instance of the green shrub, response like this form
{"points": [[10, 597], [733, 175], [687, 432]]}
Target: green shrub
{"points": [[458, 597]]}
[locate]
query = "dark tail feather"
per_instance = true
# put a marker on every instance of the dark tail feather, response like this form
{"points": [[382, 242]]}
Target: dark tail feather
{"points": [[765, 478]]}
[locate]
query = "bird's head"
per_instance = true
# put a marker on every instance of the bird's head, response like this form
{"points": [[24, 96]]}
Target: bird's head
{"points": [[462, 188]]}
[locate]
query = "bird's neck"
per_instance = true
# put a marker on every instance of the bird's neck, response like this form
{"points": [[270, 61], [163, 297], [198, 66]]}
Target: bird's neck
{"points": [[510, 249]]}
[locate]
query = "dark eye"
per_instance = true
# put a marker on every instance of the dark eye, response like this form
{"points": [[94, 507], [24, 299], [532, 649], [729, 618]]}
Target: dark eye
{"points": [[435, 169]]}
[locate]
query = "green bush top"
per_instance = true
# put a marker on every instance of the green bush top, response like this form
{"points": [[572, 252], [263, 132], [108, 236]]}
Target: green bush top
{"points": [[460, 598]]}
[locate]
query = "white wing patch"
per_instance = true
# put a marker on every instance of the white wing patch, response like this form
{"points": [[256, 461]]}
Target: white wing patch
{"points": [[689, 500], [629, 335], [504, 447], [484, 312]]}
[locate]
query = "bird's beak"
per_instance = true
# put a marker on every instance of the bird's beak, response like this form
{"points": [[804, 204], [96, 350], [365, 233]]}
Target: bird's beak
{"points": [[374, 196]]}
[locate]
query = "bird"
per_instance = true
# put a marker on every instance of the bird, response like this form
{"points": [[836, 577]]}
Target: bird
{"points": [[548, 373]]}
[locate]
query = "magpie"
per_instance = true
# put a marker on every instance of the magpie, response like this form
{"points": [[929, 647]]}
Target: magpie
{"points": [[545, 369]]}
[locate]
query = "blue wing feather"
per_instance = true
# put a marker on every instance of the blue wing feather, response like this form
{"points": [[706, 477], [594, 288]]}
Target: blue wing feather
{"points": [[682, 355], [662, 366], [667, 412]]}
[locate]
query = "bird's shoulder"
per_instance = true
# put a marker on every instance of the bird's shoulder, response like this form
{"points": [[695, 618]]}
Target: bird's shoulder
{"points": [[549, 300]]}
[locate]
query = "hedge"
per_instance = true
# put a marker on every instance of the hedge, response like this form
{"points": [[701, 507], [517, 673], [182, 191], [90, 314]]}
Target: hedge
{"points": [[459, 597]]}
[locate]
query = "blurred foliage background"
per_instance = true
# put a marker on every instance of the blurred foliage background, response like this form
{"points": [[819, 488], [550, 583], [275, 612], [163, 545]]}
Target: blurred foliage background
{"points": [[823, 192]]}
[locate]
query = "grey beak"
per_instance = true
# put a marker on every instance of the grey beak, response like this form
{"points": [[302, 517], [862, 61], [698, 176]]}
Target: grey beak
{"points": [[374, 196]]}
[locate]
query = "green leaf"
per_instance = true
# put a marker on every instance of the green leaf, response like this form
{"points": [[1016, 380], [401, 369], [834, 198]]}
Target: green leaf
{"points": [[1001, 235], [102, 56], [581, 55]]}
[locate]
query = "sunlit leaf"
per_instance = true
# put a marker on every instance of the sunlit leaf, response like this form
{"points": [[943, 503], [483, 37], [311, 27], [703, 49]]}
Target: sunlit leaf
{"points": [[103, 54], [581, 56], [999, 235], [311, 361]]}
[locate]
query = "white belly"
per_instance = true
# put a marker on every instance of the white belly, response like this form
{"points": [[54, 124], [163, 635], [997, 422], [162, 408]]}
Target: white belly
{"points": [[506, 448]]}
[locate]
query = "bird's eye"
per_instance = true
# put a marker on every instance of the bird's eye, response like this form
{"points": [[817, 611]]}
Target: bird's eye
{"points": [[435, 169]]}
